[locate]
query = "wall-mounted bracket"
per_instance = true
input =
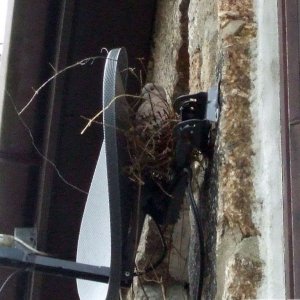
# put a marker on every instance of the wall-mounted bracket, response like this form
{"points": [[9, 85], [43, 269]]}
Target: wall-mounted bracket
{"points": [[26, 234], [29, 261], [197, 112]]}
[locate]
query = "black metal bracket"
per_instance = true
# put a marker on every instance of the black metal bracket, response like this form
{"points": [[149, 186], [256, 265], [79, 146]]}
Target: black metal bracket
{"points": [[29, 261], [198, 112]]}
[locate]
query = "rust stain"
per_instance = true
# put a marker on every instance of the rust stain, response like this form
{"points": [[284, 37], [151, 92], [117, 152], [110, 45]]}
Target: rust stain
{"points": [[249, 276], [195, 71], [235, 147], [237, 32]]}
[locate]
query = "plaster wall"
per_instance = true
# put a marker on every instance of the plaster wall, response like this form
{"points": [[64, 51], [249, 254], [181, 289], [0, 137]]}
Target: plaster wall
{"points": [[267, 146]]}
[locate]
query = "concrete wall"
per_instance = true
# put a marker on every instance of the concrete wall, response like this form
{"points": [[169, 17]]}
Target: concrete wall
{"points": [[267, 161]]}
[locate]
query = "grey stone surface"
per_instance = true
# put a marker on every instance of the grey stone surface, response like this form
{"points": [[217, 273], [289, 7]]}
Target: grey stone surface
{"points": [[169, 58], [195, 42], [203, 73]]}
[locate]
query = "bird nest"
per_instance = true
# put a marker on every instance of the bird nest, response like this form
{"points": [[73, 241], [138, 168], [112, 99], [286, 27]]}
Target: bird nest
{"points": [[150, 138]]}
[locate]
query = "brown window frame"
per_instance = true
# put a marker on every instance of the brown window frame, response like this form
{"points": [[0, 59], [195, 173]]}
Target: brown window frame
{"points": [[289, 40]]}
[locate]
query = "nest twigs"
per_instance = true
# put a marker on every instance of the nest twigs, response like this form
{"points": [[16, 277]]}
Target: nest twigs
{"points": [[151, 146]]}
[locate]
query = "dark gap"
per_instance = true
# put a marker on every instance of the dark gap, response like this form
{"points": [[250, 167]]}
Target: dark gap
{"points": [[183, 61]]}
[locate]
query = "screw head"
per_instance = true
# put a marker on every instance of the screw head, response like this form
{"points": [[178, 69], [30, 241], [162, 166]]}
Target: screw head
{"points": [[127, 273]]}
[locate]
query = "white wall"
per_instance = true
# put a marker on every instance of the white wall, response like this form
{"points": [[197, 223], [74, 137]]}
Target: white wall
{"points": [[267, 144], [3, 11], [6, 12]]}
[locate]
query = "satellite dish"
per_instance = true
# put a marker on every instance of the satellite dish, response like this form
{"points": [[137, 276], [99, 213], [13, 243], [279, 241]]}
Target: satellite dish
{"points": [[113, 216], [112, 220]]}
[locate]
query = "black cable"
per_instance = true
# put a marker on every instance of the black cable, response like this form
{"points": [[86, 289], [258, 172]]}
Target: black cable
{"points": [[197, 217], [152, 267]]}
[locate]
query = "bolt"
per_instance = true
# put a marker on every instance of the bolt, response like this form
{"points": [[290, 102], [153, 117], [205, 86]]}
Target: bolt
{"points": [[127, 273], [192, 108]]}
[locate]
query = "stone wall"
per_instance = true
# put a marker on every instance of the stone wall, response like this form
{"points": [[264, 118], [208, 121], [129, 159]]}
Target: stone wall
{"points": [[239, 268], [196, 44]]}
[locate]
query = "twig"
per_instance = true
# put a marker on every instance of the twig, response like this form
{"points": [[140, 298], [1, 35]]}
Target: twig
{"points": [[163, 190], [159, 282], [50, 162], [79, 63], [102, 123], [104, 49], [9, 278], [105, 108], [140, 60], [143, 289]]}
